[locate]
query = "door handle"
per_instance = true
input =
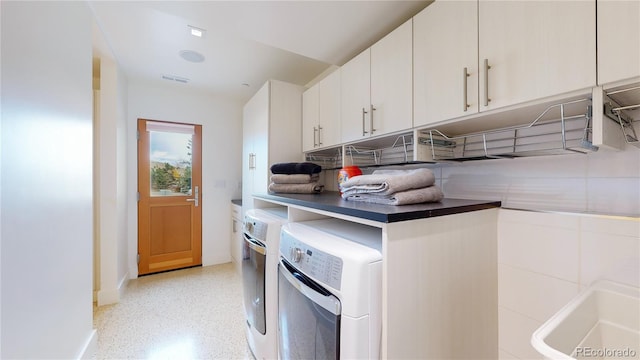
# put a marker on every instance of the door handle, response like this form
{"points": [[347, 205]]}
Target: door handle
{"points": [[196, 196]]}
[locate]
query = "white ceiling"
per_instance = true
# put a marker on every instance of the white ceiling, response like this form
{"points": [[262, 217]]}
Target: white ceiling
{"points": [[246, 42]]}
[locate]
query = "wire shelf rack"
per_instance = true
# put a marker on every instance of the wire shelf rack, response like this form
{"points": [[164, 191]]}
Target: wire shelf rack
{"points": [[328, 159], [621, 106], [560, 135]]}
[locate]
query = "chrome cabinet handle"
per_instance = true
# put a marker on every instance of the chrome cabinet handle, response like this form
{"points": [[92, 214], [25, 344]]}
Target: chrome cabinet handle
{"points": [[371, 119], [319, 135], [252, 161], [486, 82], [465, 75], [315, 130], [364, 132]]}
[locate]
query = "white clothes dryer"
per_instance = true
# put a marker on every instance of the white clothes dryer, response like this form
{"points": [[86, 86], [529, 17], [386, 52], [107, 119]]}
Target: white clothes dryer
{"points": [[330, 290], [261, 238]]}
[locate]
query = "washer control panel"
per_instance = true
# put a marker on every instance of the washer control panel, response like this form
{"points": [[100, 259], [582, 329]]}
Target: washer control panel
{"points": [[255, 228], [323, 267]]}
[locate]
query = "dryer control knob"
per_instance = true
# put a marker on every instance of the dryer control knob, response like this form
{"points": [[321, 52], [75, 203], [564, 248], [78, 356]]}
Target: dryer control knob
{"points": [[296, 254]]}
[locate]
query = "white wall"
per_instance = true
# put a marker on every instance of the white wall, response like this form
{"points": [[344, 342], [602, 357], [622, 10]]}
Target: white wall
{"points": [[46, 224], [110, 175], [121, 180], [221, 121]]}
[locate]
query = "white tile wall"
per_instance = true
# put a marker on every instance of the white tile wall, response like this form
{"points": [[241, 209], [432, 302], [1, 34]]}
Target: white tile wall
{"points": [[545, 259], [604, 182], [516, 341], [541, 249], [609, 256], [521, 291]]}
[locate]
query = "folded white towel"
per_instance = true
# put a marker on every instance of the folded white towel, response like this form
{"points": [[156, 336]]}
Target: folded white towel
{"points": [[413, 196], [386, 182], [310, 188], [294, 178]]}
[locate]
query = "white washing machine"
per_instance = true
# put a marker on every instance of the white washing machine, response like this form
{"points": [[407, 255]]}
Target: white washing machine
{"points": [[260, 257], [330, 290]]}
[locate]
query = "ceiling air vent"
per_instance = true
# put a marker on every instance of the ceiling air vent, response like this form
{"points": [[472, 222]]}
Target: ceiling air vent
{"points": [[175, 78]]}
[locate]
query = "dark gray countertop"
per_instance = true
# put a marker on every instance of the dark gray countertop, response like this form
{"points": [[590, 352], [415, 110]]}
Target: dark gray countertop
{"points": [[331, 201]]}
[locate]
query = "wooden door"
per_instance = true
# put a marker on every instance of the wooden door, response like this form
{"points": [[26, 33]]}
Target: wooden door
{"points": [[170, 201]]}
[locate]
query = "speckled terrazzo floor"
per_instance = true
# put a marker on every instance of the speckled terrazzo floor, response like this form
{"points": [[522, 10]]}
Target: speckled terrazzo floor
{"points": [[193, 313]]}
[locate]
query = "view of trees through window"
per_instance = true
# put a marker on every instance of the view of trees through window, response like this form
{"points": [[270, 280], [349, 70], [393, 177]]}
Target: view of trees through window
{"points": [[170, 163]]}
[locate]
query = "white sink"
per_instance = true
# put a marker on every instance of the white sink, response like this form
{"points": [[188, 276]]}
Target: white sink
{"points": [[602, 322]]}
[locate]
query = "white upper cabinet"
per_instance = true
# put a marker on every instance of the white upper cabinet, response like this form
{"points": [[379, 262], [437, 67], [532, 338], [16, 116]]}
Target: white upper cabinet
{"points": [[321, 113], [445, 40], [513, 52], [618, 40], [534, 49], [391, 81], [376, 87], [329, 129], [355, 88], [310, 117]]}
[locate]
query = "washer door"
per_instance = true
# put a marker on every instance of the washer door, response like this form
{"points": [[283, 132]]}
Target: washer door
{"points": [[308, 317], [253, 266]]}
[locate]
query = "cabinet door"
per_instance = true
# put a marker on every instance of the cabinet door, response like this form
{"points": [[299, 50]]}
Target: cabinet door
{"points": [[355, 84], [535, 49], [442, 49], [255, 136], [310, 117], [391, 81], [618, 40], [329, 110]]}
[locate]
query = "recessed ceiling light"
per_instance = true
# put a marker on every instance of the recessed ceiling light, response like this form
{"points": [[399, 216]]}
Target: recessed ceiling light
{"points": [[197, 32], [192, 56]]}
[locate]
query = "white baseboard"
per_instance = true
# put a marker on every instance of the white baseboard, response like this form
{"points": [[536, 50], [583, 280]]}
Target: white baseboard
{"points": [[108, 296], [216, 260], [112, 296]]}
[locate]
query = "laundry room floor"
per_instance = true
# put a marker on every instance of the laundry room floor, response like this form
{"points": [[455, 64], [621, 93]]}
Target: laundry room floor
{"points": [[192, 313]]}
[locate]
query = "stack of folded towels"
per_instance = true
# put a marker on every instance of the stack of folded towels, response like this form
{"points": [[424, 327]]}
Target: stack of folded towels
{"points": [[295, 178], [393, 187]]}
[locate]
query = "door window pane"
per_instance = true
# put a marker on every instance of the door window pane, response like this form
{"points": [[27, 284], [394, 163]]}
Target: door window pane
{"points": [[170, 161]]}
